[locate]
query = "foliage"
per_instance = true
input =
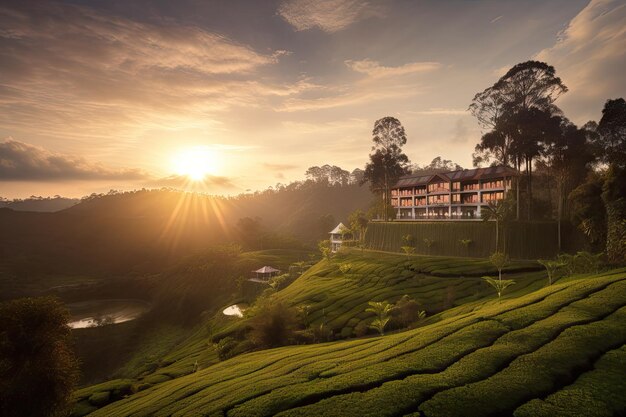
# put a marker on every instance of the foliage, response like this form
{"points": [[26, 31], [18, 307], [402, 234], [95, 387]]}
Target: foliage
{"points": [[408, 249], [465, 242], [272, 324], [358, 223], [345, 267], [328, 174], [552, 268], [581, 263], [500, 211], [407, 311], [408, 240], [387, 236], [587, 211], [324, 248], [499, 284], [387, 162], [225, 348], [38, 369], [437, 165], [382, 312], [198, 281], [499, 260], [612, 133], [614, 198], [520, 114]]}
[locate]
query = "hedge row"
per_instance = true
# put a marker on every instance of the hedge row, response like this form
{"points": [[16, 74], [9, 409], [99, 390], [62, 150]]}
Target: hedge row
{"points": [[524, 240]]}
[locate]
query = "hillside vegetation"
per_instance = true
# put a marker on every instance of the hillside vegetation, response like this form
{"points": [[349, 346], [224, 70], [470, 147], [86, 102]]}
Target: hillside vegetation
{"points": [[445, 238], [558, 350]]}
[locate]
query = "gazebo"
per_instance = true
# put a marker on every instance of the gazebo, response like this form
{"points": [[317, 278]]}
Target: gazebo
{"points": [[337, 235], [265, 273]]}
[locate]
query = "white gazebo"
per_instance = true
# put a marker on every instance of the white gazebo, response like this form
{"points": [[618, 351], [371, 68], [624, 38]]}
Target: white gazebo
{"points": [[336, 238]]}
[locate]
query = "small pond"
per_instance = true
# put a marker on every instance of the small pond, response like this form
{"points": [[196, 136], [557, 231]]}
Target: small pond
{"points": [[98, 312], [235, 310]]}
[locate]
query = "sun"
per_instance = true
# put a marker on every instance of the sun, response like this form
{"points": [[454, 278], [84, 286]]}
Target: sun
{"points": [[196, 162]]}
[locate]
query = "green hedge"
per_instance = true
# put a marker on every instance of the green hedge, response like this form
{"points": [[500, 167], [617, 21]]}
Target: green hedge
{"points": [[524, 240]]}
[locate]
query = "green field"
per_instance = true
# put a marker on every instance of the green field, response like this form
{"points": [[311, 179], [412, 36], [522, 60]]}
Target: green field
{"points": [[556, 350]]}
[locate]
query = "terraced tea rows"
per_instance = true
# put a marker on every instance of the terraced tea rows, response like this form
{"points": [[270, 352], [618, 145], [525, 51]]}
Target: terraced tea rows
{"points": [[339, 299], [531, 355]]}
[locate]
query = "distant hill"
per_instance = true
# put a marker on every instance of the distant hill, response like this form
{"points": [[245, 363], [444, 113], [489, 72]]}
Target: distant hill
{"points": [[40, 204], [144, 230]]}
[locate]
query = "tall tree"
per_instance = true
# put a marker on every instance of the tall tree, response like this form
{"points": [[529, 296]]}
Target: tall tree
{"points": [[567, 156], [387, 161], [38, 369], [517, 110], [612, 140]]}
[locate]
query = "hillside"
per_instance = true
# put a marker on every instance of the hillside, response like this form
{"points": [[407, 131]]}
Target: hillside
{"points": [[469, 340], [558, 350], [148, 230]]}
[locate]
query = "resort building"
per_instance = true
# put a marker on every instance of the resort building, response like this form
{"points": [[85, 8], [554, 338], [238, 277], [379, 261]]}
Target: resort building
{"points": [[455, 195]]}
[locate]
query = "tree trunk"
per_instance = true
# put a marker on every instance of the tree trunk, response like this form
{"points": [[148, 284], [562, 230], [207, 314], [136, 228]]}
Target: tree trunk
{"points": [[559, 211], [497, 233], [530, 189], [517, 196]]}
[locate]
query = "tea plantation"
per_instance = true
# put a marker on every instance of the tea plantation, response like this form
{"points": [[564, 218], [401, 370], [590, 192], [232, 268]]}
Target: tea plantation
{"points": [[554, 350]]}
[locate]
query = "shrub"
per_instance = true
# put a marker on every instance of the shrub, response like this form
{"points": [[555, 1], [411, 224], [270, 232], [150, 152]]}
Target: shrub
{"points": [[324, 248], [225, 347], [345, 267], [100, 399], [407, 311], [273, 324], [361, 329]]}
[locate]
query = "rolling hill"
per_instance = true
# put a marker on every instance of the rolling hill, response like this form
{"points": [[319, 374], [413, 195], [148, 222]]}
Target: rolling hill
{"points": [[543, 350]]}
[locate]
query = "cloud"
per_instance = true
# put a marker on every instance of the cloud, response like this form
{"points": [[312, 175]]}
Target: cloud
{"points": [[590, 58], [407, 80], [87, 75], [280, 167], [327, 15], [20, 161], [374, 69], [494, 20]]}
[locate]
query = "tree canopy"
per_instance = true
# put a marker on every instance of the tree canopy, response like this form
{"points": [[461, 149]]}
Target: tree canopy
{"points": [[38, 369], [387, 161]]}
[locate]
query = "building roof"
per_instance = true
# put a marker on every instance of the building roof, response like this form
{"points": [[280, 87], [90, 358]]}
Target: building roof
{"points": [[266, 270], [337, 230], [460, 175]]}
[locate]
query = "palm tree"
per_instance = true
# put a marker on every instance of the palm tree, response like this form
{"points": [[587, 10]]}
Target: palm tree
{"points": [[382, 310], [551, 266], [497, 210]]}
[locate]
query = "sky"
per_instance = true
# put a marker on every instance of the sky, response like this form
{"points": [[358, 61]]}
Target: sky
{"points": [[100, 95]]}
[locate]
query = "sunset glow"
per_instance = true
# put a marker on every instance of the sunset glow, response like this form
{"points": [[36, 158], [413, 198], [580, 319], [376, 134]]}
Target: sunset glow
{"points": [[196, 163]]}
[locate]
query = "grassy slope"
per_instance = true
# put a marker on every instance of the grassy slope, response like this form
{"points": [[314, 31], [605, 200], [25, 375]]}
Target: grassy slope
{"points": [[165, 351], [546, 352], [339, 299]]}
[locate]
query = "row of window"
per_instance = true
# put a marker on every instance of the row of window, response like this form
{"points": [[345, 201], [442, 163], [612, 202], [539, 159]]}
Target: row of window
{"points": [[445, 199], [456, 186]]}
